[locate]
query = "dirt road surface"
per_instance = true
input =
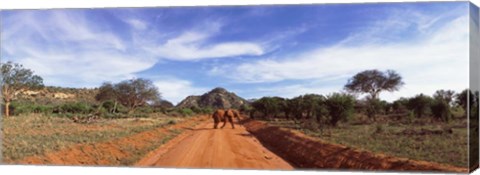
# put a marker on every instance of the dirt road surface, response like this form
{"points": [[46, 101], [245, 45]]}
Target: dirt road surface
{"points": [[204, 147]]}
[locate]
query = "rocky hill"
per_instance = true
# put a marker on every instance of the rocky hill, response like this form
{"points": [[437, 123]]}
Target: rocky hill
{"points": [[216, 98]]}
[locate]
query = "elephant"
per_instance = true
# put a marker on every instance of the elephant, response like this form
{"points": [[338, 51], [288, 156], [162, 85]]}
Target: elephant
{"points": [[221, 115], [218, 116]]}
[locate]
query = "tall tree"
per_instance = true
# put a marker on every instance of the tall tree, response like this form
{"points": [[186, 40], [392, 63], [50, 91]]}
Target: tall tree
{"points": [[16, 78], [373, 82]]}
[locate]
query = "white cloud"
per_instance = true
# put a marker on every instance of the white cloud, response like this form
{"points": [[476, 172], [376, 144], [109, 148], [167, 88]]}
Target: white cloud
{"points": [[436, 59], [68, 50], [175, 90], [137, 24], [191, 46]]}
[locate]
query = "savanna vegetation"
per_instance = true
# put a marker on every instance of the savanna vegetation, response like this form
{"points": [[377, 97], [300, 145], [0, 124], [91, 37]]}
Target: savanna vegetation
{"points": [[430, 127], [422, 127], [40, 119]]}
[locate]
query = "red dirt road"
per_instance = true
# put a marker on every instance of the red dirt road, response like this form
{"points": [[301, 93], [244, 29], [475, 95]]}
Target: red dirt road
{"points": [[204, 147]]}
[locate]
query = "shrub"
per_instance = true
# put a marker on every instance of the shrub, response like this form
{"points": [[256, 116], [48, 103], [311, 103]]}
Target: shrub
{"points": [[78, 107], [22, 107], [400, 106], [420, 105], [109, 105], [186, 112], [311, 125], [379, 129], [144, 109], [374, 107], [441, 110], [340, 107], [171, 122], [208, 110]]}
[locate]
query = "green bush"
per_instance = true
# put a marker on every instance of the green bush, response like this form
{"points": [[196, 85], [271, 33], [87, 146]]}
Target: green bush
{"points": [[144, 109], [186, 112], [207, 110], [441, 110], [374, 107], [311, 125], [76, 108], [340, 107], [420, 105], [108, 105], [24, 107]]}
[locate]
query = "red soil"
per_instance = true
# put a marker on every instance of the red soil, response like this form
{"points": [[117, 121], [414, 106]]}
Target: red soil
{"points": [[205, 147], [109, 153], [312, 153]]}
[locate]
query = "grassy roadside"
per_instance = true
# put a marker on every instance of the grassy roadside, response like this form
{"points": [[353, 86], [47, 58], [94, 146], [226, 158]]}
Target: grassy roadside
{"points": [[397, 139], [35, 134]]}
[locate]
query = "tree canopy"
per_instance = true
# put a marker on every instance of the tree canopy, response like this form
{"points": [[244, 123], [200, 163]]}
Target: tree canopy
{"points": [[16, 78], [374, 81], [130, 93]]}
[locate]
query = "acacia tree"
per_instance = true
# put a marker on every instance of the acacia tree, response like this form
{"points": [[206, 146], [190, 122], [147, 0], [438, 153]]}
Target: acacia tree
{"points": [[136, 92], [16, 78], [373, 82]]}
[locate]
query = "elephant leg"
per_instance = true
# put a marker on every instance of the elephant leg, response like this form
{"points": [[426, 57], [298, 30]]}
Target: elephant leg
{"points": [[230, 120], [215, 125], [224, 123]]}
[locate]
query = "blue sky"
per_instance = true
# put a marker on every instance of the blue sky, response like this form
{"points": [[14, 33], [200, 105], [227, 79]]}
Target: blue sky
{"points": [[253, 51]]}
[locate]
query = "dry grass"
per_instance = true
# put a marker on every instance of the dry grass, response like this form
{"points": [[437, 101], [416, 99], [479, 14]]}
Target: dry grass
{"points": [[389, 138], [35, 134]]}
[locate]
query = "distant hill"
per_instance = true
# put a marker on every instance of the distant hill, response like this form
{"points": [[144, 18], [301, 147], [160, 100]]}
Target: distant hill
{"points": [[216, 98]]}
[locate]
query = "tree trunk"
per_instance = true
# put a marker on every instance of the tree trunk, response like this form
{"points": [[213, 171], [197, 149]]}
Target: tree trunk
{"points": [[7, 110], [114, 107]]}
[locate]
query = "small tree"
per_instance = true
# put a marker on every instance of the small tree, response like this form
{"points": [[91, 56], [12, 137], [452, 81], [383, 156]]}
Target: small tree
{"points": [[106, 93], [400, 105], [373, 82], [444, 95], [374, 106], [296, 107], [441, 110], [420, 105], [136, 92], [310, 104], [340, 107], [16, 78], [462, 99], [269, 106]]}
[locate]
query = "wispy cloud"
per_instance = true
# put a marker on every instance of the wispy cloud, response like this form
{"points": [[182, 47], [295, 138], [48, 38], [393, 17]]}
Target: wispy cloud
{"points": [[433, 57], [192, 46], [67, 49], [137, 24]]}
